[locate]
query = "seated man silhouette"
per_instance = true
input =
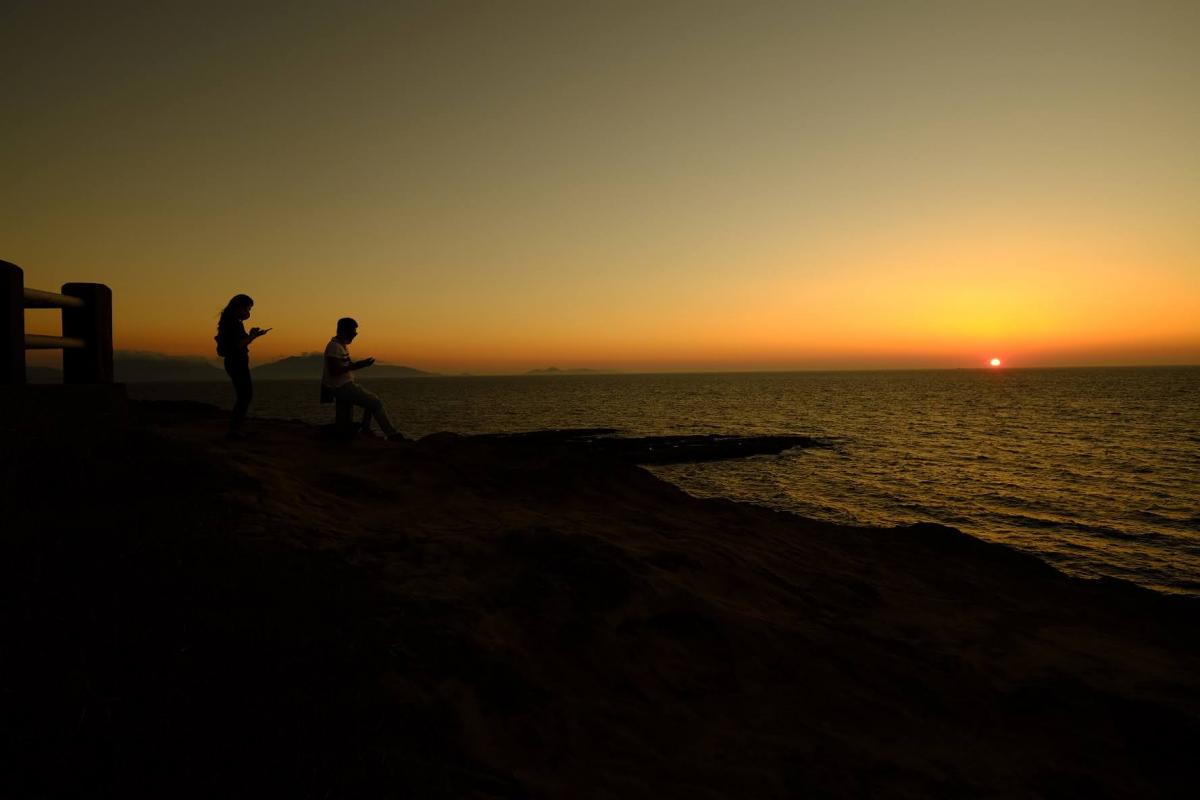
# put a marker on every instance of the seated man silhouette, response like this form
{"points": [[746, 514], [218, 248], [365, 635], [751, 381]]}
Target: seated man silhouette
{"points": [[338, 378]]}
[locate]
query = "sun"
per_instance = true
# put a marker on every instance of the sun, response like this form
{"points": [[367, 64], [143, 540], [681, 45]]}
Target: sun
{"points": [[995, 362]]}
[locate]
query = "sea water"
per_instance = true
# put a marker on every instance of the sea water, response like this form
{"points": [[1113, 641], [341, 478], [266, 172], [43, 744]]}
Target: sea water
{"points": [[1096, 471]]}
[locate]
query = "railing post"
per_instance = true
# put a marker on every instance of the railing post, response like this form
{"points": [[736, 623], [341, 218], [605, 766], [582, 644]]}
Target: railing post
{"points": [[92, 323], [12, 324]]}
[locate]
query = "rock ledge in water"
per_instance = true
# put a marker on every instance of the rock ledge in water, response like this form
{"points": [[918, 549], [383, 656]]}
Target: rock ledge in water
{"points": [[659, 449]]}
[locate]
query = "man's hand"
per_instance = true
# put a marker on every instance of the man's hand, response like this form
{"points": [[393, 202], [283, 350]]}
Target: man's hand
{"points": [[257, 332], [366, 362]]}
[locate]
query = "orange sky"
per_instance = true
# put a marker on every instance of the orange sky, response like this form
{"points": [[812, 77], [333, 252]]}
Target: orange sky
{"points": [[495, 187]]}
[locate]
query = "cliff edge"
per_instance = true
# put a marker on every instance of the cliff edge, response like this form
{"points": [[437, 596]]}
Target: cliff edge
{"points": [[468, 617]]}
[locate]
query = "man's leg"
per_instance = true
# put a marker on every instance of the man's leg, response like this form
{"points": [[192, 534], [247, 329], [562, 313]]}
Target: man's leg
{"points": [[371, 403], [344, 411]]}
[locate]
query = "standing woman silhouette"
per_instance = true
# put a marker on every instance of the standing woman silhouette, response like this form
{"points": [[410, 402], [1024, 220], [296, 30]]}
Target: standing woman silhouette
{"points": [[233, 344]]}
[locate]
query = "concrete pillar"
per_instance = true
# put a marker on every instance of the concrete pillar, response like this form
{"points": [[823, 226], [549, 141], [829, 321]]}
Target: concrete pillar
{"points": [[12, 324], [92, 363]]}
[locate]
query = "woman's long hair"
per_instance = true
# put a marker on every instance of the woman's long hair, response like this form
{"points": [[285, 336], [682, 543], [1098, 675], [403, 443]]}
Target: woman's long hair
{"points": [[235, 302]]}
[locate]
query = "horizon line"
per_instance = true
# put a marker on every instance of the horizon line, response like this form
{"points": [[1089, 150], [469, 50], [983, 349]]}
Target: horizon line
{"points": [[585, 371]]}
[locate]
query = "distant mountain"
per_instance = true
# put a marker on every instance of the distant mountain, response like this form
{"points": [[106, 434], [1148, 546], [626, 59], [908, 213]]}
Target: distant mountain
{"points": [[309, 366], [557, 371], [139, 367], [133, 366]]}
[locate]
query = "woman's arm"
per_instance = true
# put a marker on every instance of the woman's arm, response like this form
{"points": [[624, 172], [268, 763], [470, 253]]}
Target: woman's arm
{"points": [[254, 334], [234, 334]]}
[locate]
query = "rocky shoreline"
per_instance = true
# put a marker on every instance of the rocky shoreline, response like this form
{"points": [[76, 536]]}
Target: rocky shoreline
{"points": [[536, 616]]}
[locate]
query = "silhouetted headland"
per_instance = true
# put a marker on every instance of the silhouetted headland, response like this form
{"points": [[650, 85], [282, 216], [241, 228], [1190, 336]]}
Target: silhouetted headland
{"points": [[144, 367], [570, 371], [308, 367], [134, 367], [536, 616]]}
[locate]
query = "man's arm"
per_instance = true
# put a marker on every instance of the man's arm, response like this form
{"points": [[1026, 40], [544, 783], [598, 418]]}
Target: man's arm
{"points": [[339, 367]]}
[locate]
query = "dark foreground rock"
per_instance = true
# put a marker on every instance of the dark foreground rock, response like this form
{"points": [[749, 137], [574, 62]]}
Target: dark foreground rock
{"points": [[301, 617]]}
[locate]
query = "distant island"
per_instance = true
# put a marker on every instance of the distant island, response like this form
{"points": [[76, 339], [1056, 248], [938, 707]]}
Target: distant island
{"points": [[557, 371], [144, 367], [308, 366], [132, 366], [136, 366]]}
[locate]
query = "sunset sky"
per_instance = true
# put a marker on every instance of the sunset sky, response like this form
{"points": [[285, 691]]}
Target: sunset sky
{"points": [[496, 186]]}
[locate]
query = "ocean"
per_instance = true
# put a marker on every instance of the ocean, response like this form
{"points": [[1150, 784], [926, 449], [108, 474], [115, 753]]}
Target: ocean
{"points": [[1096, 470]]}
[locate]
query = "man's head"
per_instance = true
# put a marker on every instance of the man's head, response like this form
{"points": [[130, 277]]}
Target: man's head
{"points": [[347, 329]]}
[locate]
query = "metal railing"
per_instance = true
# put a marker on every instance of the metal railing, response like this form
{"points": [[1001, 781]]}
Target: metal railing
{"points": [[86, 339]]}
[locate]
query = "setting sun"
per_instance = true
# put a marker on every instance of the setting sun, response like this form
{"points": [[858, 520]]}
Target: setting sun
{"points": [[995, 362]]}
